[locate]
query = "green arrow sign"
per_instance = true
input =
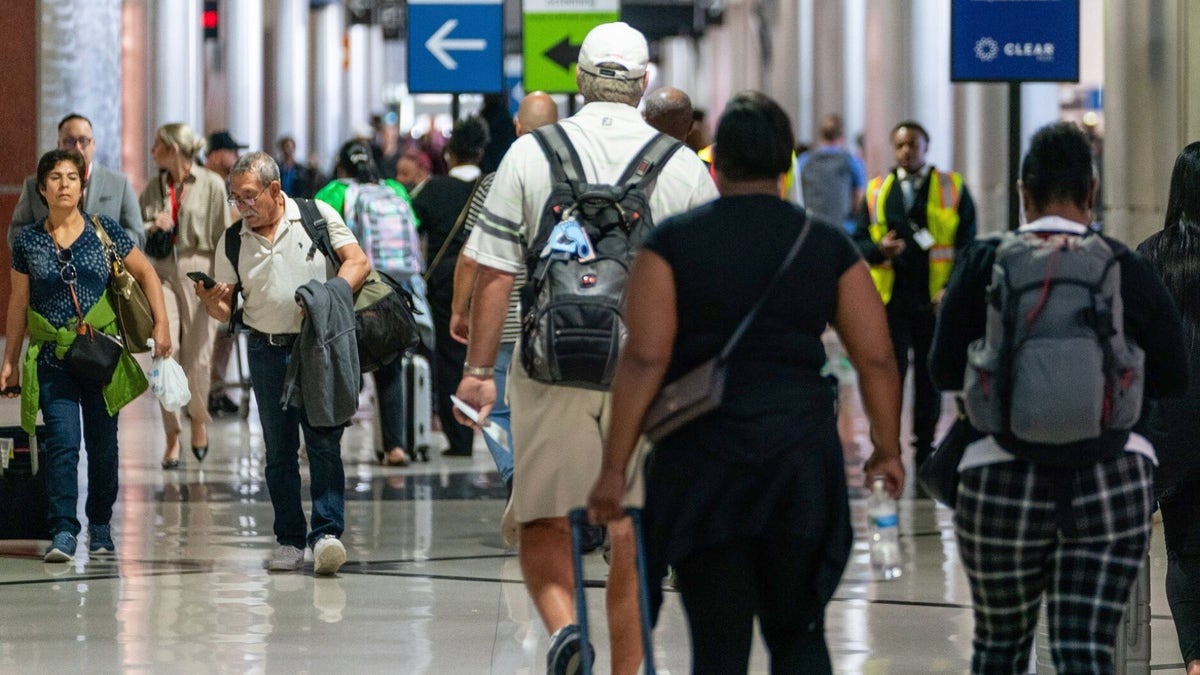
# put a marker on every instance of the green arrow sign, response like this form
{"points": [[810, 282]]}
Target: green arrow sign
{"points": [[553, 31]]}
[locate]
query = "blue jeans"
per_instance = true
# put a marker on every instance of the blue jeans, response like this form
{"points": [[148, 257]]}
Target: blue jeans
{"points": [[62, 398], [503, 456], [389, 392], [281, 435]]}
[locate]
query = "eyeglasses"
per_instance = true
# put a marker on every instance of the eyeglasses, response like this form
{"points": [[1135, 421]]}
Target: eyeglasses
{"points": [[66, 268], [237, 202], [71, 142]]}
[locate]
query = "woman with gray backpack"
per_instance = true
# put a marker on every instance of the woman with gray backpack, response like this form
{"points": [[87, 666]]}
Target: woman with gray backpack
{"points": [[1044, 506]]}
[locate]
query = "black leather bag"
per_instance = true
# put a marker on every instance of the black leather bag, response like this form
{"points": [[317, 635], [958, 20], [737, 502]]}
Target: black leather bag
{"points": [[93, 356], [160, 243], [938, 474]]}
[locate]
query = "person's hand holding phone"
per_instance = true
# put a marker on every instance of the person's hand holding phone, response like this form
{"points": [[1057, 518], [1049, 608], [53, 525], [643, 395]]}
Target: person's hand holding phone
{"points": [[202, 278]]}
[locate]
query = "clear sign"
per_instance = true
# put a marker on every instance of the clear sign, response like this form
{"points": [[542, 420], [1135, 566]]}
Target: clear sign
{"points": [[1014, 41]]}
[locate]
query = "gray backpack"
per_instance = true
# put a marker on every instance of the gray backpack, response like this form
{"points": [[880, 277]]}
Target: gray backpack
{"points": [[826, 182], [1054, 365]]}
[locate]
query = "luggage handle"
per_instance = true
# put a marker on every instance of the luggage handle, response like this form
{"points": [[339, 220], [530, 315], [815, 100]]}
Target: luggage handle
{"points": [[578, 518]]}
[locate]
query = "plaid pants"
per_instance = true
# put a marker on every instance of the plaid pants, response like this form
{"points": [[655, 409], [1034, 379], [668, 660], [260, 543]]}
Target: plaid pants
{"points": [[1077, 535]]}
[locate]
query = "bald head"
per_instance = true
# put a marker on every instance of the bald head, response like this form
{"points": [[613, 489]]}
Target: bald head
{"points": [[669, 110], [537, 109]]}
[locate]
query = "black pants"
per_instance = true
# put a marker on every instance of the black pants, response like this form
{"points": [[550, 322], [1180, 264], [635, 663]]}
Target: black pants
{"points": [[448, 364], [1181, 527], [913, 328], [724, 588]]}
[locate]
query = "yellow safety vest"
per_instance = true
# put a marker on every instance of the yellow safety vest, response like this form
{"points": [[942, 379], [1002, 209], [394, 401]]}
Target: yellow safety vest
{"points": [[941, 210]]}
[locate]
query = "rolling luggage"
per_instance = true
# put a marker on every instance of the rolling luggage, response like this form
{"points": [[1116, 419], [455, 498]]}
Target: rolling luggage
{"points": [[418, 401], [579, 521], [23, 500]]}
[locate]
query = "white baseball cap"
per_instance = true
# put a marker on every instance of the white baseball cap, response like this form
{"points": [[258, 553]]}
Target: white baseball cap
{"points": [[614, 43]]}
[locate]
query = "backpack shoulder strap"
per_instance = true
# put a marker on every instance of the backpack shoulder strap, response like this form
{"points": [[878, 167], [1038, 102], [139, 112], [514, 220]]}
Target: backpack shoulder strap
{"points": [[318, 230], [649, 161], [233, 247], [565, 164]]}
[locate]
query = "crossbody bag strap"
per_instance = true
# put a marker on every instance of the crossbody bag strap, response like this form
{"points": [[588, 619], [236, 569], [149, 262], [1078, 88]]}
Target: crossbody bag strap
{"points": [[462, 219], [762, 299]]}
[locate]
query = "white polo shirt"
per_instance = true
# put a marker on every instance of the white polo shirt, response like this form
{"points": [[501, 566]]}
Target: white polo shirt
{"points": [[606, 136], [272, 270]]}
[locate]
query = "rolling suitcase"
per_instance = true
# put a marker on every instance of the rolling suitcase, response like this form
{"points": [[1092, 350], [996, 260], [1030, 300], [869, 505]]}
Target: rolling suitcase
{"points": [[23, 500], [418, 401], [579, 520]]}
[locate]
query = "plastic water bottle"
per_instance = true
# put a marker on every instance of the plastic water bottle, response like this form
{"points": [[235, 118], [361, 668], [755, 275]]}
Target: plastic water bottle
{"points": [[884, 527]]}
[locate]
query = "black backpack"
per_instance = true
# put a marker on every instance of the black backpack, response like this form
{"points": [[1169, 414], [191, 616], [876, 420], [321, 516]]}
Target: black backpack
{"points": [[571, 328], [383, 309]]}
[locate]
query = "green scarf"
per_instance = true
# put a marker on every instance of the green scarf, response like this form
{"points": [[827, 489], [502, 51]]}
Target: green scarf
{"points": [[128, 381]]}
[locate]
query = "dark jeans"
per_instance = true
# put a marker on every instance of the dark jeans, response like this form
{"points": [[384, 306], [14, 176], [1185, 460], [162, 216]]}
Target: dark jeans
{"points": [[1181, 527], [389, 394], [281, 436], [62, 400], [770, 577], [447, 369], [913, 328]]}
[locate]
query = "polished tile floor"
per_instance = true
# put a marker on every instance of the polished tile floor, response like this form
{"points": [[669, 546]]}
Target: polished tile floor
{"points": [[429, 586]]}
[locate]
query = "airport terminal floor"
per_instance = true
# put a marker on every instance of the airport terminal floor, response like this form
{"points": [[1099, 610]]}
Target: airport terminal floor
{"points": [[429, 587]]}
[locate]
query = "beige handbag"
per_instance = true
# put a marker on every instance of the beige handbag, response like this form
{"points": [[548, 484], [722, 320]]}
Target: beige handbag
{"points": [[129, 301]]}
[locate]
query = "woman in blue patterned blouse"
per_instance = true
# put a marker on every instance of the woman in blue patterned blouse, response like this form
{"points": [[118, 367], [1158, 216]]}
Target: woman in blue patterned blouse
{"points": [[60, 273]]}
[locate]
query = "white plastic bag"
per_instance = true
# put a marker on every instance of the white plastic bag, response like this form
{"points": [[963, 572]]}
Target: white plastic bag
{"points": [[168, 382]]}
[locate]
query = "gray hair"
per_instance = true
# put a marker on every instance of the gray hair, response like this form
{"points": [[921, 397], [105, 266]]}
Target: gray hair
{"points": [[181, 136], [609, 89], [260, 164]]}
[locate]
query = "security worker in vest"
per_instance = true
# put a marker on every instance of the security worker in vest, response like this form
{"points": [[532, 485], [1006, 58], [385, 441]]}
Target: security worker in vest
{"points": [[916, 220]]}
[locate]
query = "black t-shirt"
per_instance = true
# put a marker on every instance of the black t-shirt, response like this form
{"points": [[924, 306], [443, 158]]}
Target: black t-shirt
{"points": [[723, 255]]}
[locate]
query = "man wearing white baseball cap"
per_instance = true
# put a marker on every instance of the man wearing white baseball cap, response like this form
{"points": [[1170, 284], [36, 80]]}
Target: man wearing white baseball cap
{"points": [[558, 430]]}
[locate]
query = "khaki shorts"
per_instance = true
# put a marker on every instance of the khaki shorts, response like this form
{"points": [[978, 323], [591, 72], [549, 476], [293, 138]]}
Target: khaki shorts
{"points": [[558, 439]]}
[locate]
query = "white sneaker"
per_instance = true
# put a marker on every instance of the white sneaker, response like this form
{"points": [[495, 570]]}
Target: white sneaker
{"points": [[328, 555], [285, 559]]}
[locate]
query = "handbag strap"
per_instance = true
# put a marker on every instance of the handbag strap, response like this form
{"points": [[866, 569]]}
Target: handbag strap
{"points": [[109, 247], [762, 299], [458, 223]]}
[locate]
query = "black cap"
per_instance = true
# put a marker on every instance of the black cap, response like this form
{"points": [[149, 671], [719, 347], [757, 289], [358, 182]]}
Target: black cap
{"points": [[221, 140]]}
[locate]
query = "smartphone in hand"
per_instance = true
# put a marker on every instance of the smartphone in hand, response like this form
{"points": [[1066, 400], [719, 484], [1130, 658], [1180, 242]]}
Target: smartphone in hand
{"points": [[203, 278]]}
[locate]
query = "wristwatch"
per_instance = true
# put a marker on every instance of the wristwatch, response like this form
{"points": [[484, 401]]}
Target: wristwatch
{"points": [[478, 371]]}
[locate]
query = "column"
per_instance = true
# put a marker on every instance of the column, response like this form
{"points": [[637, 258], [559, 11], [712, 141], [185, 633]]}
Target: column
{"points": [[243, 42], [930, 95], [854, 67], [291, 76], [78, 60], [328, 70], [981, 148], [1145, 116], [358, 81], [178, 67], [889, 61]]}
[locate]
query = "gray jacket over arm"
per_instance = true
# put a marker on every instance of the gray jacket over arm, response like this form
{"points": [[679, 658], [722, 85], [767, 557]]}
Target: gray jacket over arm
{"points": [[323, 374]]}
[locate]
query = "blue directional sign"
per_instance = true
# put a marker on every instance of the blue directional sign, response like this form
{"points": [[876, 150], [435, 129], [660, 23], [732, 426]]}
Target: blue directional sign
{"points": [[455, 46], [1021, 41]]}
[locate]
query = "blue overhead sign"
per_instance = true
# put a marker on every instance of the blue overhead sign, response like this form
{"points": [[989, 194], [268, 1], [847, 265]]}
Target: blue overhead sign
{"points": [[455, 46], [1014, 41]]}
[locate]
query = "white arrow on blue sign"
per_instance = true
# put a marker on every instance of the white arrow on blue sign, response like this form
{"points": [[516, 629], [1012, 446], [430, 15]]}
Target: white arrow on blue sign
{"points": [[455, 46]]}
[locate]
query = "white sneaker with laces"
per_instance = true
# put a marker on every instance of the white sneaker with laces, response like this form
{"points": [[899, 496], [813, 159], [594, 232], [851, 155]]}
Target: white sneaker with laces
{"points": [[328, 555], [285, 559]]}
